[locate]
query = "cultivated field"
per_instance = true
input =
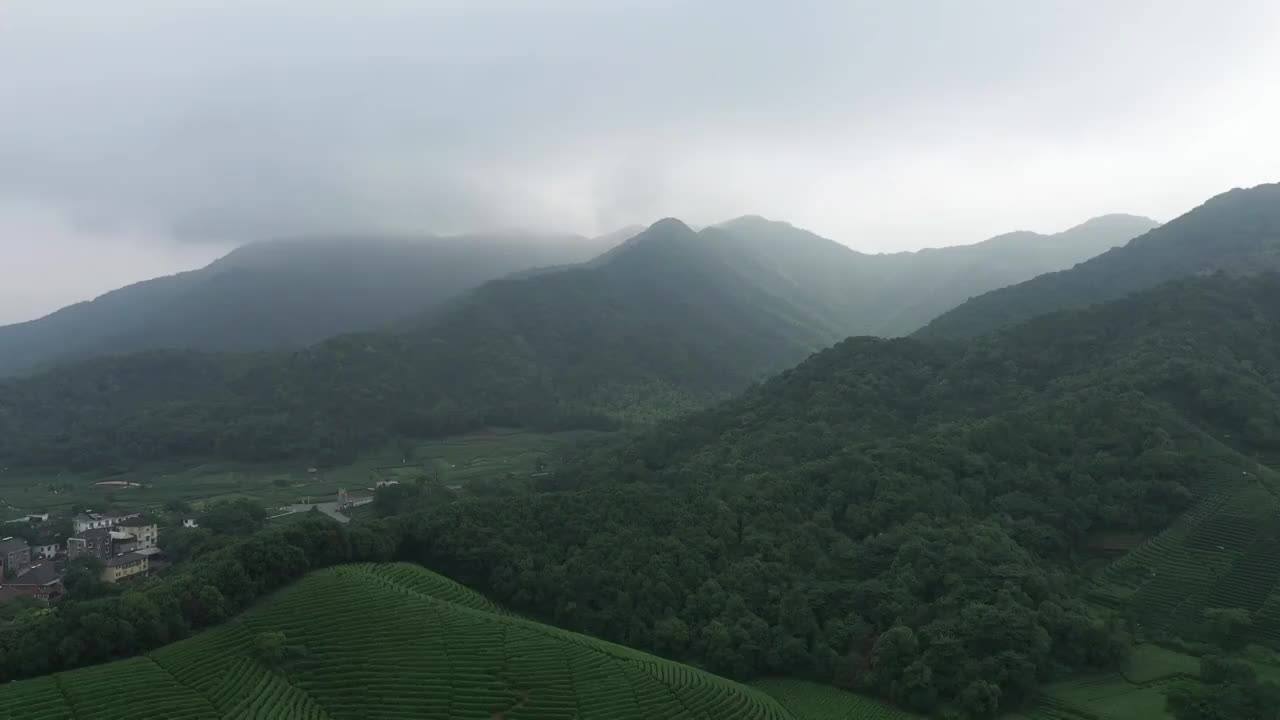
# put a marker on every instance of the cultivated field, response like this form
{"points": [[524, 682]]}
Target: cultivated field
{"points": [[1224, 553], [398, 642], [453, 461], [809, 701]]}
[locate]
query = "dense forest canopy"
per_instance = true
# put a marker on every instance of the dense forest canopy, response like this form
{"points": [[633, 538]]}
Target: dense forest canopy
{"points": [[891, 515], [1237, 232]]}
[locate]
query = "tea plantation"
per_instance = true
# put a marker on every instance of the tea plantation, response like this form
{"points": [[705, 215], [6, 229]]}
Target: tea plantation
{"points": [[1224, 553], [395, 642]]}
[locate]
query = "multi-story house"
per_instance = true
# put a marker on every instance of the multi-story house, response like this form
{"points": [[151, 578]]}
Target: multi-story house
{"points": [[96, 542], [126, 565], [144, 531], [46, 551], [15, 555], [95, 521]]}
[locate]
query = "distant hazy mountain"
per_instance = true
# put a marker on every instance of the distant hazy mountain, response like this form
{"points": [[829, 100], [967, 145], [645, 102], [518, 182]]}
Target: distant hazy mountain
{"points": [[1236, 232], [668, 320], [895, 294], [285, 293]]}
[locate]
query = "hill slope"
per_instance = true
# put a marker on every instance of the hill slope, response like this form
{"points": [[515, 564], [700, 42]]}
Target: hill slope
{"points": [[665, 322], [902, 516], [280, 294], [292, 293], [895, 294], [388, 641], [1236, 232], [661, 324]]}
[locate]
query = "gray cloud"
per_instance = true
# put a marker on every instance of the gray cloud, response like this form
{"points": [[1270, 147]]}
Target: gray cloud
{"points": [[884, 125]]}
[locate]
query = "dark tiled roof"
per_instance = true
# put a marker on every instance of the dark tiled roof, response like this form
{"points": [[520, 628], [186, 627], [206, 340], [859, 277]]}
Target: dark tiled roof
{"points": [[125, 559], [13, 545], [94, 534], [41, 574], [139, 521]]}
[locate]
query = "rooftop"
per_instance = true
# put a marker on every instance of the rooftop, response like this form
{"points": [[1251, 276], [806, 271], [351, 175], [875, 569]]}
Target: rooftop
{"points": [[40, 574], [125, 559], [139, 521], [13, 544], [94, 534]]}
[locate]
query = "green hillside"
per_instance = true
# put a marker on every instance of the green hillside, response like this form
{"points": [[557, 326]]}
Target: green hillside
{"points": [[396, 641], [282, 294], [659, 326], [1236, 232], [912, 518]]}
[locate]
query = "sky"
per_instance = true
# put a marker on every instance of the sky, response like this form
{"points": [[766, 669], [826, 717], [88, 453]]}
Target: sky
{"points": [[142, 137]]}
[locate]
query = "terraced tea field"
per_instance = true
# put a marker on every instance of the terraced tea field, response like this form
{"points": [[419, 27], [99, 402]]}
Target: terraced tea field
{"points": [[1224, 553], [818, 702], [395, 642]]}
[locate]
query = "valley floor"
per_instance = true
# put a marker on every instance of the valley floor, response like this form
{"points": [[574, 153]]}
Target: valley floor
{"points": [[454, 461]]}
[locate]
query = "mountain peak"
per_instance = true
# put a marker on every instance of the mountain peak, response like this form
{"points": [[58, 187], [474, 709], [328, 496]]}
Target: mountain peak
{"points": [[1134, 223], [668, 225]]}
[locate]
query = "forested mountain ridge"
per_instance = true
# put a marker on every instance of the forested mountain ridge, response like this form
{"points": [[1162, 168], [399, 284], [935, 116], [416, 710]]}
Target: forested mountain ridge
{"points": [[894, 294], [283, 294], [291, 293], [660, 325], [893, 515], [667, 321], [1237, 231]]}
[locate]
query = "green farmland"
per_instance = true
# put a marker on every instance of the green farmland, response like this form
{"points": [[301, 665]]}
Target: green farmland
{"points": [[396, 641], [453, 461]]}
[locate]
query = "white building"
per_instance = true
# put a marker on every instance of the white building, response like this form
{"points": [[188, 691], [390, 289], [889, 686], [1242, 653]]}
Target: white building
{"points": [[94, 521]]}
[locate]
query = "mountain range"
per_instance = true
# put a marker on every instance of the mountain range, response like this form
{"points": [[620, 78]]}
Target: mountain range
{"points": [[667, 321], [912, 517], [1235, 232], [283, 294], [293, 293]]}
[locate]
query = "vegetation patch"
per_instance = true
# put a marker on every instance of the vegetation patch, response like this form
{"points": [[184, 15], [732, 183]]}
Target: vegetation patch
{"points": [[397, 641]]}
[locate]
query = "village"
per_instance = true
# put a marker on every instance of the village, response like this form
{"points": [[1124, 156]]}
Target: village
{"points": [[124, 545]]}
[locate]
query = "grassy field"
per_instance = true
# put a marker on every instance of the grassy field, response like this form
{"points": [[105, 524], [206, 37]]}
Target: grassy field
{"points": [[392, 641], [1135, 692], [454, 461]]}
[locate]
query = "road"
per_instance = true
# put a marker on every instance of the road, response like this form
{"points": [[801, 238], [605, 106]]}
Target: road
{"points": [[328, 508]]}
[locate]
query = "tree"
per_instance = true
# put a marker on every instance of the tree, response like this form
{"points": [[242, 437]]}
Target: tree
{"points": [[893, 651], [181, 544], [83, 579], [269, 648], [233, 517], [1228, 627]]}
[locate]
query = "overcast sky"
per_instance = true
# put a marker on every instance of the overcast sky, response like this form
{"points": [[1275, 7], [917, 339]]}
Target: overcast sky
{"points": [[138, 137]]}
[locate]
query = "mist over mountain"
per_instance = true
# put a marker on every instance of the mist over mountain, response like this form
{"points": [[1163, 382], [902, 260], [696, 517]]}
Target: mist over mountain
{"points": [[284, 293], [667, 321], [1236, 232], [895, 294]]}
